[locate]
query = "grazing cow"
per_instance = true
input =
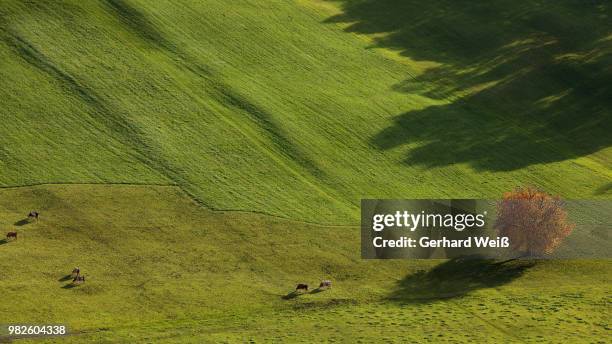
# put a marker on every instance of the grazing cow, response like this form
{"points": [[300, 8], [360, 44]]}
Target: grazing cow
{"points": [[325, 284], [301, 287], [33, 214], [76, 271], [79, 279], [11, 235]]}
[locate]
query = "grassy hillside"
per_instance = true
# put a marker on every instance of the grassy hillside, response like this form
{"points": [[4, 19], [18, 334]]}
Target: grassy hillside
{"points": [[159, 268], [301, 108], [157, 138]]}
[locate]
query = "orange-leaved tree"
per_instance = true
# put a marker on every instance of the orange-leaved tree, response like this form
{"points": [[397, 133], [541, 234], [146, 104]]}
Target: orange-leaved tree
{"points": [[534, 222]]}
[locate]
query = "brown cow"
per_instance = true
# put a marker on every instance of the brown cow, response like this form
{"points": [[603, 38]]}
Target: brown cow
{"points": [[325, 284], [76, 271], [301, 287], [79, 279], [11, 235], [33, 214]]}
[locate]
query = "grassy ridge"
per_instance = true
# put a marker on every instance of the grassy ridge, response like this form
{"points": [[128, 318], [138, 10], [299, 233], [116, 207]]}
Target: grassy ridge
{"points": [[272, 107], [160, 268]]}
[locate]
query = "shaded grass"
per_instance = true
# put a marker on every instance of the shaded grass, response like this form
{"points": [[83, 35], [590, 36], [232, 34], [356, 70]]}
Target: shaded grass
{"points": [[456, 278], [516, 77], [604, 189], [22, 222], [291, 295]]}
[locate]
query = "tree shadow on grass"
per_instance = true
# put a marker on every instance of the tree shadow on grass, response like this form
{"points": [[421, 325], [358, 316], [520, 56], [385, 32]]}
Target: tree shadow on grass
{"points": [[524, 83], [22, 222], [457, 277]]}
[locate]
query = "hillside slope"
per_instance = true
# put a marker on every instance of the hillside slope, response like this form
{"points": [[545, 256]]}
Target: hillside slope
{"points": [[160, 268], [272, 106]]}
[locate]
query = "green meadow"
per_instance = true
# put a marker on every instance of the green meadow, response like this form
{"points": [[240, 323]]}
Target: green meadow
{"points": [[160, 268], [300, 109], [197, 160]]}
